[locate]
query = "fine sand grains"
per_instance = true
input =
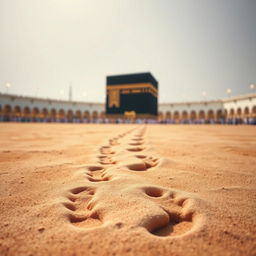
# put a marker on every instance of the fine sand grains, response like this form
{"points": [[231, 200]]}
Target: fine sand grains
{"points": [[127, 190], [92, 206]]}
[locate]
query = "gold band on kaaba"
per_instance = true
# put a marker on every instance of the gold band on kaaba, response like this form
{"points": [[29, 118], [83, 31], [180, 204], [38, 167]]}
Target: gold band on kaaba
{"points": [[114, 91], [114, 98], [132, 86]]}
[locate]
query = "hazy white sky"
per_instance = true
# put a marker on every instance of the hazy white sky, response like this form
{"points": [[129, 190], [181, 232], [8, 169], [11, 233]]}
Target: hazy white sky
{"points": [[190, 46]]}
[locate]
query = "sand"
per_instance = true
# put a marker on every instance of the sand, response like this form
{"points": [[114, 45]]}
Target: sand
{"points": [[76, 189]]}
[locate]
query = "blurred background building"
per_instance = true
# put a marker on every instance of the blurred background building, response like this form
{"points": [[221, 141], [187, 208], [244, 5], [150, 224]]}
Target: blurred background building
{"points": [[233, 110]]}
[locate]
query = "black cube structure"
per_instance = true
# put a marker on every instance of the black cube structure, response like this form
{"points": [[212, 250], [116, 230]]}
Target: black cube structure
{"points": [[132, 93]]}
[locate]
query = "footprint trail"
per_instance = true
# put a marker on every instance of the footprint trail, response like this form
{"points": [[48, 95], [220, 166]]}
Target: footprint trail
{"points": [[112, 189]]}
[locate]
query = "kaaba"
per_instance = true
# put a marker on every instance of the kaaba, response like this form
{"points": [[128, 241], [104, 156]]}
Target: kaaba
{"points": [[136, 93]]}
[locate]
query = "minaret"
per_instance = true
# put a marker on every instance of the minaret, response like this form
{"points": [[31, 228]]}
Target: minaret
{"points": [[70, 92]]}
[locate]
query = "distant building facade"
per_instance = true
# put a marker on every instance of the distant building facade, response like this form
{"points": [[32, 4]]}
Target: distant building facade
{"points": [[137, 93], [20, 108], [239, 109]]}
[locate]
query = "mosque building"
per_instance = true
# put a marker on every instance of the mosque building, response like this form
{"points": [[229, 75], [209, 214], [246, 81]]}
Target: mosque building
{"points": [[132, 96]]}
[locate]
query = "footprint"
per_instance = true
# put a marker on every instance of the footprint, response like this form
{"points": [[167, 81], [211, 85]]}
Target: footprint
{"points": [[92, 179], [78, 190], [150, 162], [141, 156], [135, 149], [86, 221], [95, 168], [106, 160], [69, 206], [114, 142], [96, 174], [82, 214], [138, 139], [143, 164], [177, 225], [153, 191], [106, 150], [75, 197], [176, 221], [138, 136], [136, 143]]}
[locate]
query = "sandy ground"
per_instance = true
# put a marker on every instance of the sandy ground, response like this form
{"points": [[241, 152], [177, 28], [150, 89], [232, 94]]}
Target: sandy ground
{"points": [[74, 189]]}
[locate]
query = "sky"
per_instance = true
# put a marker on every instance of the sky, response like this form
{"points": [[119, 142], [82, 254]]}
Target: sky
{"points": [[196, 49]]}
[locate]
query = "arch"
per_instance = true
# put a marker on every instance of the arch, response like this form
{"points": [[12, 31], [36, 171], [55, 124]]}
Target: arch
{"points": [[160, 116], [176, 115], [27, 113], [94, 114], [246, 112], [193, 115], [35, 114], [7, 113], [102, 114], [78, 115], [53, 114], [225, 113], [7, 109], [86, 114], [254, 111], [45, 113], [239, 112], [70, 115], [184, 115], [17, 112], [201, 115], [210, 114], [61, 115], [168, 115], [232, 112], [219, 114]]}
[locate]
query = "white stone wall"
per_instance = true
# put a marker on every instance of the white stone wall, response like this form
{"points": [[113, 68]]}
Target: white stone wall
{"points": [[165, 109], [49, 104], [188, 107], [240, 102]]}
